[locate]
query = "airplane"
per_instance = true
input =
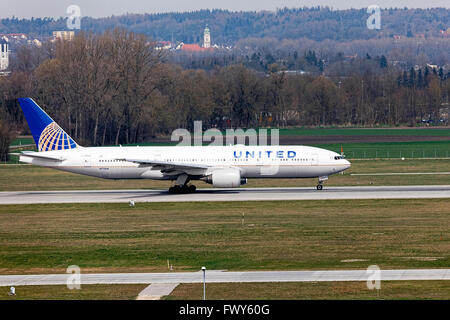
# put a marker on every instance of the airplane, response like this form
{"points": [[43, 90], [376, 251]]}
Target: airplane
{"points": [[221, 166]]}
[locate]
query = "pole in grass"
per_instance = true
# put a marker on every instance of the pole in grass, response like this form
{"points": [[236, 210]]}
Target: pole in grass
{"points": [[204, 282]]}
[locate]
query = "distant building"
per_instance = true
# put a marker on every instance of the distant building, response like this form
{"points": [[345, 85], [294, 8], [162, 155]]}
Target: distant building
{"points": [[189, 47], [36, 43], [164, 45], [193, 48], [207, 38], [4, 54], [293, 72], [15, 36], [179, 46], [63, 35], [444, 112]]}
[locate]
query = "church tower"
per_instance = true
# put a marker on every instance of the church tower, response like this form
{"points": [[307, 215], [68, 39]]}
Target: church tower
{"points": [[4, 54], [207, 38]]}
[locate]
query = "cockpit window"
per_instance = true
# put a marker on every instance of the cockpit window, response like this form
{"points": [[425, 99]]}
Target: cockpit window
{"points": [[338, 157]]}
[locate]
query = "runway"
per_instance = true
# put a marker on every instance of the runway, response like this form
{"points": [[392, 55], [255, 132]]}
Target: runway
{"points": [[227, 277], [240, 194]]}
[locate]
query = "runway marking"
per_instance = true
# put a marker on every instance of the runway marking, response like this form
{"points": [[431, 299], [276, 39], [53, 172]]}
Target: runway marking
{"points": [[353, 260], [157, 290]]}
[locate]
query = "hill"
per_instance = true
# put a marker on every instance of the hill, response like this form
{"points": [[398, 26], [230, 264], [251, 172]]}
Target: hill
{"points": [[318, 24]]}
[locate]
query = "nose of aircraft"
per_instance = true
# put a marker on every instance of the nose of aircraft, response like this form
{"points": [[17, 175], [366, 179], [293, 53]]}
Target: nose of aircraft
{"points": [[347, 164]]}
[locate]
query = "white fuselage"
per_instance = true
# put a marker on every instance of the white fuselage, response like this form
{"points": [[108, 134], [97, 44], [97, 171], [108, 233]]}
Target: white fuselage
{"points": [[252, 161]]}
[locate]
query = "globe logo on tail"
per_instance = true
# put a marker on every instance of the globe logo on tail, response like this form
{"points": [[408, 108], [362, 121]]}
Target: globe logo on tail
{"points": [[54, 138]]}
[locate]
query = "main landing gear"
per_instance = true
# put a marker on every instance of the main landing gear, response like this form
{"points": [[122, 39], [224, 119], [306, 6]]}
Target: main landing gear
{"points": [[321, 181], [183, 189], [181, 185]]}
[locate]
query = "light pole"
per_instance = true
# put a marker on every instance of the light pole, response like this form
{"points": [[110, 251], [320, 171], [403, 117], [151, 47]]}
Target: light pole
{"points": [[204, 282]]}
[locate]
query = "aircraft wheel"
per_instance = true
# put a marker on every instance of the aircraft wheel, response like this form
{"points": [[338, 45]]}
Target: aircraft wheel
{"points": [[182, 189], [319, 187]]}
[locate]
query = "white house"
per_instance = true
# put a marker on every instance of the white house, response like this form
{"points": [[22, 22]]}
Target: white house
{"points": [[4, 54]]}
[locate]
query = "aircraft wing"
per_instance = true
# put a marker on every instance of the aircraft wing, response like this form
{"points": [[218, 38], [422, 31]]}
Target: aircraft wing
{"points": [[40, 155], [166, 166]]}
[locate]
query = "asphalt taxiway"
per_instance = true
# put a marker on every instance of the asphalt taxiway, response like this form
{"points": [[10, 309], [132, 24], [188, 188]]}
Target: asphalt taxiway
{"points": [[239, 194]]}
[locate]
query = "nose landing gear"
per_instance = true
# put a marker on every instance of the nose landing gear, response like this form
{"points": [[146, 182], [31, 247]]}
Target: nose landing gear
{"points": [[320, 183]]}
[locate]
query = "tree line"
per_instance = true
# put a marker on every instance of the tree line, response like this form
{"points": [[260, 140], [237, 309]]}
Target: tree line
{"points": [[116, 88]]}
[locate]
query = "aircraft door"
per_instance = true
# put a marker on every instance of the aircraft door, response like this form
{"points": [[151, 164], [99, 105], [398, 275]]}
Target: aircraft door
{"points": [[314, 161], [87, 161]]}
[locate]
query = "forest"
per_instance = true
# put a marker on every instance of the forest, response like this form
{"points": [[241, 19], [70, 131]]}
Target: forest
{"points": [[116, 88], [227, 27]]}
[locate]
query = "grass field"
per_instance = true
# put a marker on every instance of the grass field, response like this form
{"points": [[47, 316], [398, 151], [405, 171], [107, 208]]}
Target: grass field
{"points": [[436, 131], [87, 292], [303, 131], [22, 140], [392, 150], [289, 235], [346, 131], [402, 290], [29, 178], [314, 290]]}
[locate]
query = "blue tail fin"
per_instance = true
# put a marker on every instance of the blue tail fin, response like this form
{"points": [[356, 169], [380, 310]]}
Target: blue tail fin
{"points": [[47, 135]]}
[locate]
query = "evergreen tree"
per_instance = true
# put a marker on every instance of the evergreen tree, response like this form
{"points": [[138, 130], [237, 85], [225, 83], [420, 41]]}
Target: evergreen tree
{"points": [[383, 62], [441, 73], [412, 77], [405, 81], [419, 79], [426, 76]]}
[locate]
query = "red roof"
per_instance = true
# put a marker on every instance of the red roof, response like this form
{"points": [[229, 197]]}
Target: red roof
{"points": [[15, 34], [193, 47]]}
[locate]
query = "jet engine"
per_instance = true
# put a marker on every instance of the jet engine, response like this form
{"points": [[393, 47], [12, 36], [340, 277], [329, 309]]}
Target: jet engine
{"points": [[225, 178]]}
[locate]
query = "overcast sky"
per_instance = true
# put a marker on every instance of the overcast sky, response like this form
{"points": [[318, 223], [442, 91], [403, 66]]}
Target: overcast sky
{"points": [[104, 8]]}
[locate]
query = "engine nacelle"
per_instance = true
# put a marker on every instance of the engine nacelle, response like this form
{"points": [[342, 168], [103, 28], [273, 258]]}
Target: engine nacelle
{"points": [[226, 178]]}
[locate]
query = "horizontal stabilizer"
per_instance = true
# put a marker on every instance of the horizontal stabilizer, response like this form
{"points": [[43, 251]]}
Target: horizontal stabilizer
{"points": [[38, 155]]}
